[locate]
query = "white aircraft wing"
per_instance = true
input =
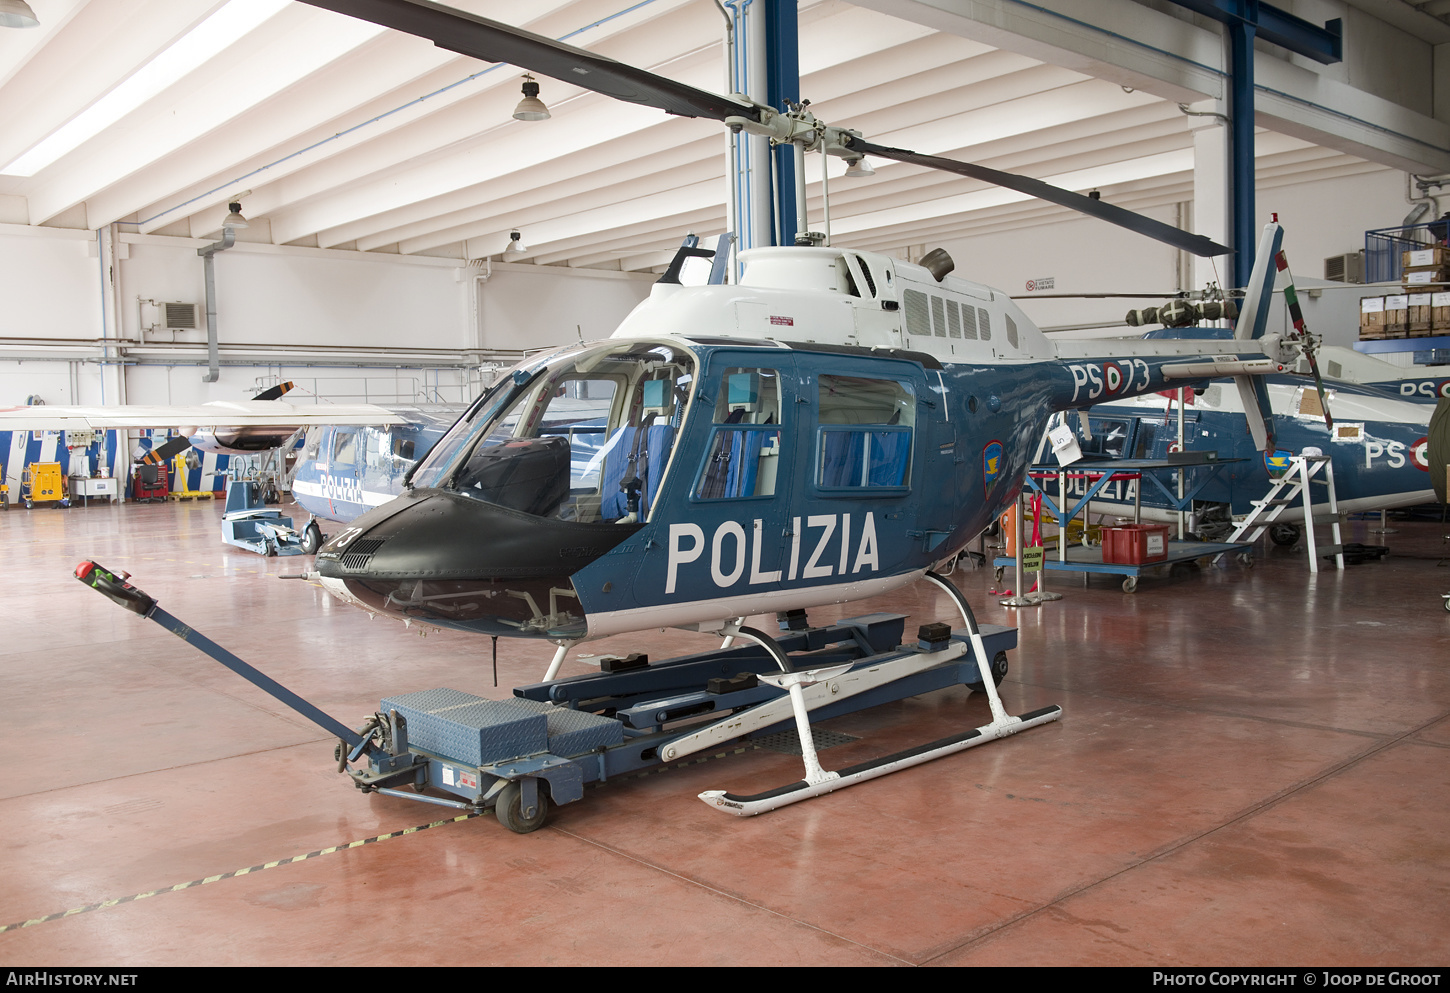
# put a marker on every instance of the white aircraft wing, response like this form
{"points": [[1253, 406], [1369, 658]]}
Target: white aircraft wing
{"points": [[222, 413]]}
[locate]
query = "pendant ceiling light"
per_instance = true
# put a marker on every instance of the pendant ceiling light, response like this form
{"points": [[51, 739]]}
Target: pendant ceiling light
{"points": [[17, 14], [531, 108], [234, 217]]}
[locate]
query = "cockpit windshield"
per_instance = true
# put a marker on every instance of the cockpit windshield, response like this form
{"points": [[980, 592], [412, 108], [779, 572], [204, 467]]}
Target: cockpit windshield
{"points": [[586, 437]]}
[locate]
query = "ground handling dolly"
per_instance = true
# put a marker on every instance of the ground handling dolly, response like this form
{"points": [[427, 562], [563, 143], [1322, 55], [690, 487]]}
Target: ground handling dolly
{"points": [[516, 756]]}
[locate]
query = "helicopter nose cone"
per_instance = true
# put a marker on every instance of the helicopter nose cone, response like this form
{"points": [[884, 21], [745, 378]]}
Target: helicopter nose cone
{"points": [[454, 561]]}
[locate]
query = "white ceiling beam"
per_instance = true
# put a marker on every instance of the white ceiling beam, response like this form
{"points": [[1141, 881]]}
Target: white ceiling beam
{"points": [[270, 126], [655, 234], [668, 203], [470, 156], [92, 48], [385, 229], [690, 68], [264, 63], [537, 216], [393, 81], [18, 47], [495, 206]]}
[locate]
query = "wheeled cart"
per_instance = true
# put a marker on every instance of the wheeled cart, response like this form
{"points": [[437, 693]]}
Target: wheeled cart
{"points": [[1090, 560], [43, 482], [544, 745]]}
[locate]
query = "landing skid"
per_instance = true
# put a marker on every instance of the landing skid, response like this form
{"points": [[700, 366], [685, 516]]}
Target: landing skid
{"points": [[819, 781]]}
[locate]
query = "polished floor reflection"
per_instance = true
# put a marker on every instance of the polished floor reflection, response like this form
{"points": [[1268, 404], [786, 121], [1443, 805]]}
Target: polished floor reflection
{"points": [[1251, 768]]}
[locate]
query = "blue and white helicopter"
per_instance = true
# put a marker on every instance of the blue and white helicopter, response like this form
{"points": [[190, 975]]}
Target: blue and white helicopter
{"points": [[1371, 418], [838, 424]]}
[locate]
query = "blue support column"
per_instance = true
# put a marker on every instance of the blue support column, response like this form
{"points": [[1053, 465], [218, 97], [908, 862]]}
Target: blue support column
{"points": [[1243, 19], [1241, 140], [783, 85]]}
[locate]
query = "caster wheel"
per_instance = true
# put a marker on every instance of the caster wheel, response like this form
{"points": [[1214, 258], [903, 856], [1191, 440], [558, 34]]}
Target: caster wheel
{"points": [[509, 809], [1130, 585]]}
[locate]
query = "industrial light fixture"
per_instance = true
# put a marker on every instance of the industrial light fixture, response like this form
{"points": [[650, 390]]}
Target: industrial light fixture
{"points": [[234, 217], [515, 245], [858, 168], [17, 14], [531, 108]]}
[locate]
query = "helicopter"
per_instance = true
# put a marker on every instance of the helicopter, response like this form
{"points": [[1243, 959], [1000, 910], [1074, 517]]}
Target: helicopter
{"points": [[1379, 444], [344, 470], [834, 425], [1371, 417]]}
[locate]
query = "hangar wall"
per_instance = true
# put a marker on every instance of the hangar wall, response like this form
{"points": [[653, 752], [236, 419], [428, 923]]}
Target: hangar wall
{"points": [[345, 325], [393, 327]]}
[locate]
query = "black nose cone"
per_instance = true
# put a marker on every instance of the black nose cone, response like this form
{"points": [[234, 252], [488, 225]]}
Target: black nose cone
{"points": [[459, 562]]}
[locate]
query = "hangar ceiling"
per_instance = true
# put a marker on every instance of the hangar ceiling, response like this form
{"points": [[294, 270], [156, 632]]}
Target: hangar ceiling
{"points": [[344, 135]]}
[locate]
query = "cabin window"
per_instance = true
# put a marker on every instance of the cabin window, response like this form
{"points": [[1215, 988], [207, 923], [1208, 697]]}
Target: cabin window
{"points": [[1110, 437], [374, 443], [918, 314], [344, 448], [744, 451], [864, 438]]}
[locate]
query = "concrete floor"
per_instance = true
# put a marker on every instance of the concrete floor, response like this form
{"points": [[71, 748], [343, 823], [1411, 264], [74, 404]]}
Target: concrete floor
{"points": [[1251, 769]]}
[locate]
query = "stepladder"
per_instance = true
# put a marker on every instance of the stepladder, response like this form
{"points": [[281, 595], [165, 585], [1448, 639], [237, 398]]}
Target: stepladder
{"points": [[1297, 487]]}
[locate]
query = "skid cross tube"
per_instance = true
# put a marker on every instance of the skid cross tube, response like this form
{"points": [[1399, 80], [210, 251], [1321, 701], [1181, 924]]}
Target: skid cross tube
{"points": [[138, 602]]}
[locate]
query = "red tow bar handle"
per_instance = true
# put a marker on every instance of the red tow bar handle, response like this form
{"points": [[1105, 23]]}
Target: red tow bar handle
{"points": [[116, 588]]}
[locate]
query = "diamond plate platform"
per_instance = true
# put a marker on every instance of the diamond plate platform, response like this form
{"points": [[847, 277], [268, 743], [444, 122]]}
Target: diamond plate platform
{"points": [[789, 742]]}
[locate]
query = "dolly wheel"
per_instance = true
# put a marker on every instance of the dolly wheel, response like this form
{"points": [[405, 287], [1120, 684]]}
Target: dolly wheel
{"points": [[1130, 584], [509, 809], [1284, 535], [999, 672]]}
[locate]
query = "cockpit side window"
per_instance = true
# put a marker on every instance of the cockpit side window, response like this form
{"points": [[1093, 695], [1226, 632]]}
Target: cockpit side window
{"points": [[311, 444], [587, 439], [344, 447]]}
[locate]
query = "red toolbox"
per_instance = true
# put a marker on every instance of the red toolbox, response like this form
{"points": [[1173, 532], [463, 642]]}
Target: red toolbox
{"points": [[1135, 544]]}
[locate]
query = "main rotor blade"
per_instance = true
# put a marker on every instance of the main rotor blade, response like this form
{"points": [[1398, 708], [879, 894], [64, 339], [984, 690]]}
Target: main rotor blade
{"points": [[1196, 244], [492, 41]]}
